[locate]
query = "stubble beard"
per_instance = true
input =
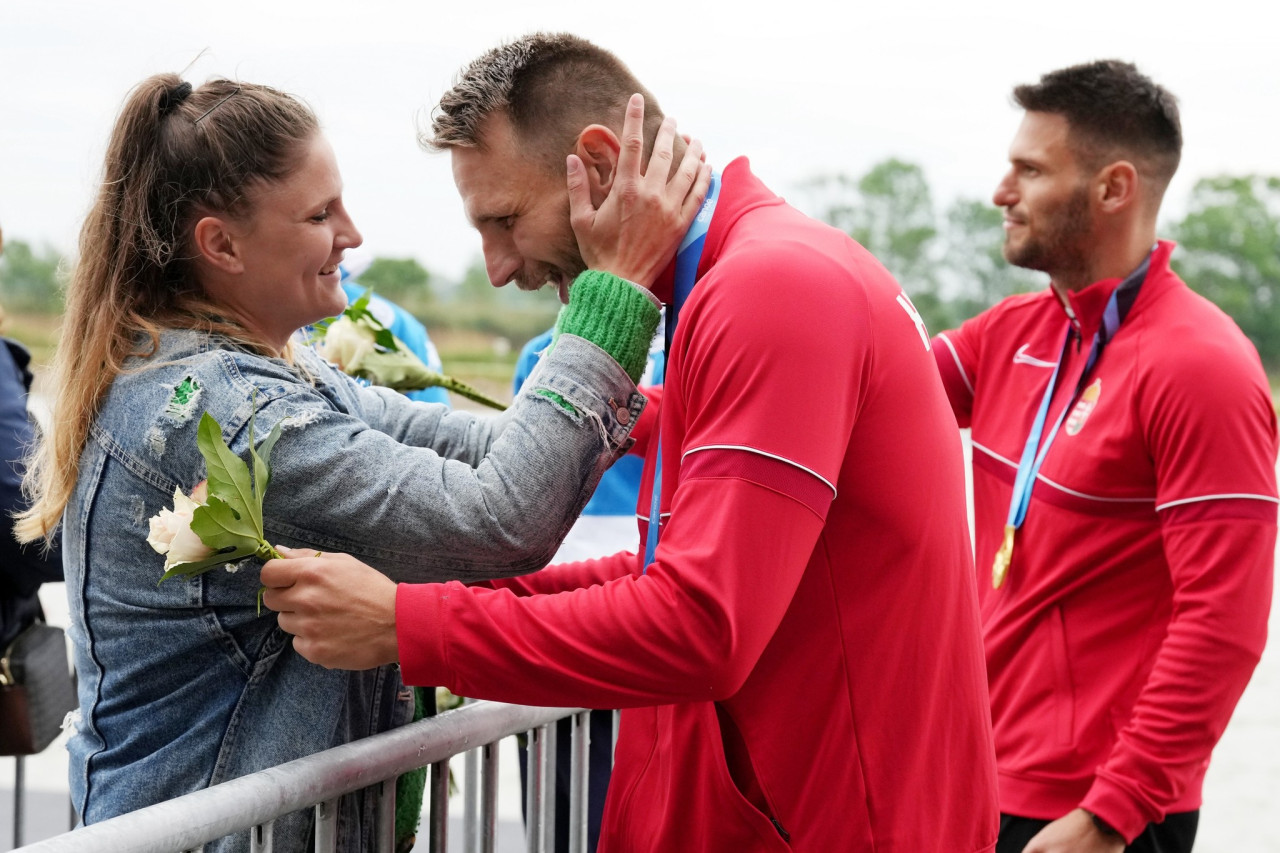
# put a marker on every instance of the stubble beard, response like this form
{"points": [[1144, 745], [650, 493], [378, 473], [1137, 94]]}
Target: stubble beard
{"points": [[559, 275], [1061, 247]]}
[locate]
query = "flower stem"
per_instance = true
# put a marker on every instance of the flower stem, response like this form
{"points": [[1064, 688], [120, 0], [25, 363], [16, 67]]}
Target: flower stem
{"points": [[266, 551], [465, 390]]}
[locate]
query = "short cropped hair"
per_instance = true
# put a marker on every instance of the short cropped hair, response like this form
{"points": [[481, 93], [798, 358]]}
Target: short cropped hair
{"points": [[550, 86], [1114, 112]]}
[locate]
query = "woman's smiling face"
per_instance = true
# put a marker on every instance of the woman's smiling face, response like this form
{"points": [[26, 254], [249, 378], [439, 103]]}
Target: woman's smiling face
{"points": [[290, 244]]}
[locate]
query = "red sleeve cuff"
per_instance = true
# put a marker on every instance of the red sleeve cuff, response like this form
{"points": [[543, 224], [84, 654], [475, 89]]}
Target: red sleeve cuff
{"points": [[419, 632], [1117, 809]]}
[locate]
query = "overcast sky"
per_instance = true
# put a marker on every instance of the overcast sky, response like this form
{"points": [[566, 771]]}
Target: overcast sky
{"points": [[801, 87]]}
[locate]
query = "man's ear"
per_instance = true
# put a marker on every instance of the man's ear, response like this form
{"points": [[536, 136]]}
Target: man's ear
{"points": [[598, 148], [215, 244], [1117, 187]]}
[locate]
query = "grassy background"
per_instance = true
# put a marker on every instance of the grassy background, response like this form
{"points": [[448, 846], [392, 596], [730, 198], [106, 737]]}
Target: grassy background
{"points": [[484, 360]]}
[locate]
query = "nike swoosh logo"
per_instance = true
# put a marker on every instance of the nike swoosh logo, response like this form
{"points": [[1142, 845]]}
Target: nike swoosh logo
{"points": [[1021, 357]]}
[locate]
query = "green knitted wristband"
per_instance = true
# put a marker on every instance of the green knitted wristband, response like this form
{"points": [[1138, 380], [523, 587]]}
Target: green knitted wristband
{"points": [[614, 315]]}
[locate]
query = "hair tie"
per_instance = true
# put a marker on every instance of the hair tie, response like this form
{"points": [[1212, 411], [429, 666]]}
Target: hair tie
{"points": [[171, 99]]}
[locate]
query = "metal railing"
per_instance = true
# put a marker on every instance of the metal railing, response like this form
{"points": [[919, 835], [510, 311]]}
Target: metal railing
{"points": [[252, 803]]}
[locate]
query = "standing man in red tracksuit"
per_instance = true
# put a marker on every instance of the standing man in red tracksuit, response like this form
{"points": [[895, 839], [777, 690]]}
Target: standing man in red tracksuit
{"points": [[1124, 450], [798, 655]]}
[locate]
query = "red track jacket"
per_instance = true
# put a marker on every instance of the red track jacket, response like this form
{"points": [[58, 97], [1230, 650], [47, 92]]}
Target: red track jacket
{"points": [[802, 665], [1136, 606]]}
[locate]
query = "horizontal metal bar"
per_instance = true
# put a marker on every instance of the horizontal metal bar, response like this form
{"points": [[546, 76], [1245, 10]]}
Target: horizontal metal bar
{"points": [[194, 819]]}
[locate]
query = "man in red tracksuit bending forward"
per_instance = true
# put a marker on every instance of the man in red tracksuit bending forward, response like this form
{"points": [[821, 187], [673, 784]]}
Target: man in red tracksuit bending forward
{"points": [[798, 660]]}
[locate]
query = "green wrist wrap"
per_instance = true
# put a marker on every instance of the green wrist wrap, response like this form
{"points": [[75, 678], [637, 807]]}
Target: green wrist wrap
{"points": [[614, 315]]}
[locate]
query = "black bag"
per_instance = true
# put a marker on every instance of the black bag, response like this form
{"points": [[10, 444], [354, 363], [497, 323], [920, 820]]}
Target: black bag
{"points": [[37, 690]]}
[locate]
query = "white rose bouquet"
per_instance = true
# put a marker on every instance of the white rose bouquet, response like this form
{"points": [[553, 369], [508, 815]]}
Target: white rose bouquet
{"points": [[360, 345], [220, 522]]}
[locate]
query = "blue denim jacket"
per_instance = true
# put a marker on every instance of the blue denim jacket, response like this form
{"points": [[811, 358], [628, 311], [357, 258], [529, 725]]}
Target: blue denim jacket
{"points": [[183, 685]]}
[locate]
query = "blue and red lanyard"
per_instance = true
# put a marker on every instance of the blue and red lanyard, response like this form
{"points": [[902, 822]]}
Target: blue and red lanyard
{"points": [[1033, 453], [687, 257]]}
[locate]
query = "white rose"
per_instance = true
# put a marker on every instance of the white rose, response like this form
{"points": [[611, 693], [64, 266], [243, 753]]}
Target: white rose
{"points": [[171, 532], [346, 344]]}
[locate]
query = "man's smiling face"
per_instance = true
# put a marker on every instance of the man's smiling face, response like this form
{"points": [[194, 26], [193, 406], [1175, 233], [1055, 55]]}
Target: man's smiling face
{"points": [[521, 208]]}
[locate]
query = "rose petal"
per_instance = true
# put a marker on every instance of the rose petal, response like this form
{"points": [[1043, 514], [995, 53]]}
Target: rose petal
{"points": [[161, 535], [186, 548]]}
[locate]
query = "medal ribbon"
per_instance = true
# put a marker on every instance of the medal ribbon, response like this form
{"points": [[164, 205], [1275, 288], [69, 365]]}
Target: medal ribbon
{"points": [[687, 257], [1033, 453]]}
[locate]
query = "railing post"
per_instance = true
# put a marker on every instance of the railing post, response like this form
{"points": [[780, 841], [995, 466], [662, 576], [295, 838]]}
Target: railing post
{"points": [[262, 837], [386, 838], [19, 782], [470, 801], [535, 832], [438, 837], [550, 753], [327, 826], [489, 797], [580, 740]]}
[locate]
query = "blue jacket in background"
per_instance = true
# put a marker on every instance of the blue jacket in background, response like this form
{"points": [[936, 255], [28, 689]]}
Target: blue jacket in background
{"points": [[22, 568]]}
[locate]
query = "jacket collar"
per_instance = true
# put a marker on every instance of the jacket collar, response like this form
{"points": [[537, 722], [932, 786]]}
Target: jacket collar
{"points": [[1088, 303], [740, 192]]}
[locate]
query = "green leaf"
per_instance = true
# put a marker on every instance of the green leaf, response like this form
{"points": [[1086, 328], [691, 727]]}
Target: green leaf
{"points": [[359, 313], [220, 526], [262, 461], [228, 474], [201, 566], [261, 472], [382, 337], [361, 305]]}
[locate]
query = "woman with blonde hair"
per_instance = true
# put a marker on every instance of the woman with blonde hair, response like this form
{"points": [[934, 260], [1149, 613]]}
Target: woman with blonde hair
{"points": [[216, 234]]}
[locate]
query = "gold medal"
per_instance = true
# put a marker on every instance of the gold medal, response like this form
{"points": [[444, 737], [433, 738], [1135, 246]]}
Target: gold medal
{"points": [[1000, 569]]}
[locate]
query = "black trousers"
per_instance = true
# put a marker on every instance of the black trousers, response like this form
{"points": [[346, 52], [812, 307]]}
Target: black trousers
{"points": [[1175, 834]]}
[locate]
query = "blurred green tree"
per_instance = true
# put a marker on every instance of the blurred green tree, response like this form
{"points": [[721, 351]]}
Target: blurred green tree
{"points": [[402, 280], [889, 210], [973, 259], [29, 280], [1229, 250], [475, 304]]}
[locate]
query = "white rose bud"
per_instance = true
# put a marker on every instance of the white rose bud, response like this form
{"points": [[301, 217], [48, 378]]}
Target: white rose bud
{"points": [[346, 344], [171, 532]]}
